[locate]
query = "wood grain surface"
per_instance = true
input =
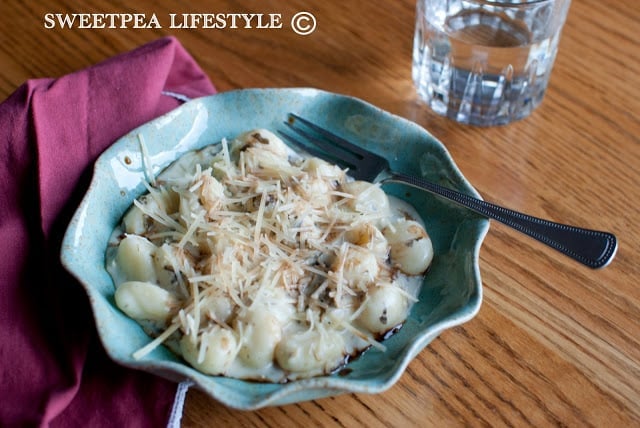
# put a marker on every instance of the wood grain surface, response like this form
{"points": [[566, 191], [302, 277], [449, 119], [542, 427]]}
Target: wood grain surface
{"points": [[555, 343]]}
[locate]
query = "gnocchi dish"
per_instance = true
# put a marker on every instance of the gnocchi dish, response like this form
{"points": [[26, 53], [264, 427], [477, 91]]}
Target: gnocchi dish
{"points": [[252, 261]]}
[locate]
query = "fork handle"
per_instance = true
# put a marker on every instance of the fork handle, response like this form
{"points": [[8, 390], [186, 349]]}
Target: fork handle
{"points": [[590, 247]]}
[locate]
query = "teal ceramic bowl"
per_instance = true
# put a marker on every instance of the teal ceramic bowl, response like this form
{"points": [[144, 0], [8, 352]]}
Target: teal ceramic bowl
{"points": [[452, 291]]}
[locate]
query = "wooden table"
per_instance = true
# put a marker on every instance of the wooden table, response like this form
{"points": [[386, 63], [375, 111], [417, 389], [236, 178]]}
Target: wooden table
{"points": [[555, 343]]}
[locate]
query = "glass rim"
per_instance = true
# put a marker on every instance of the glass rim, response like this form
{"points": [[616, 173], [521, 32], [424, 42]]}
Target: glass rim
{"points": [[512, 3]]}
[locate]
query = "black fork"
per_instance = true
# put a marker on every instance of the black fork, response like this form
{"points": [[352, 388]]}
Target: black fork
{"points": [[592, 248]]}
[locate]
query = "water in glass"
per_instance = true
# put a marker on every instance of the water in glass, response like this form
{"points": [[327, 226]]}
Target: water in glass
{"points": [[481, 63]]}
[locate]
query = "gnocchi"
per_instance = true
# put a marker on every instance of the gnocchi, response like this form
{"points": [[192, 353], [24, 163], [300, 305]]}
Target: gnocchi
{"points": [[384, 308], [368, 198], [134, 259], [311, 352], [213, 352], [255, 262], [263, 331], [410, 246], [144, 301]]}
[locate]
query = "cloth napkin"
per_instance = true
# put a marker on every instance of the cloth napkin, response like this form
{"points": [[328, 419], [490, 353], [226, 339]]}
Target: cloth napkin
{"points": [[53, 370]]}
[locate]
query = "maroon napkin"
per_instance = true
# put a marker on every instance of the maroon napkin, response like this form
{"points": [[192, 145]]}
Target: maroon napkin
{"points": [[53, 371]]}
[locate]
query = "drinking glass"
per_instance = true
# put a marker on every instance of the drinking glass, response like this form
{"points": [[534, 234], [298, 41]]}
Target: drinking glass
{"points": [[485, 62]]}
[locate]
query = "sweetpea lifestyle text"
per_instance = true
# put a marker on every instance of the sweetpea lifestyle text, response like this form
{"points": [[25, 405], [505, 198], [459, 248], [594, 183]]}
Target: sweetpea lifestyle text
{"points": [[172, 20]]}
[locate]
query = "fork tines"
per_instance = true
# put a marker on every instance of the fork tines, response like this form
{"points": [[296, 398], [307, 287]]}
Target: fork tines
{"points": [[320, 142]]}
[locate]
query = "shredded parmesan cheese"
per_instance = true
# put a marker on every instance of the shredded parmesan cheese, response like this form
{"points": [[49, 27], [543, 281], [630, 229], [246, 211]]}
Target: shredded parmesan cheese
{"points": [[146, 162], [256, 246]]}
